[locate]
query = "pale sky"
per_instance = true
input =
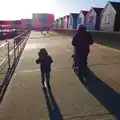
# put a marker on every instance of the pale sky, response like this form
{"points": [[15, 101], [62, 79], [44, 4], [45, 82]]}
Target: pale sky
{"points": [[17, 9]]}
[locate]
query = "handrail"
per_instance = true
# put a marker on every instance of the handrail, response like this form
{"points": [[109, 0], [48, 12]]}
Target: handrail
{"points": [[11, 60], [4, 44], [21, 34], [14, 48], [6, 58], [2, 63]]}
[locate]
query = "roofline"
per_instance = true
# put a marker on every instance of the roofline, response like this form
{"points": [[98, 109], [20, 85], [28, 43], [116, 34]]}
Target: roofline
{"points": [[89, 11], [74, 13], [93, 9], [106, 7], [80, 13], [60, 18], [67, 16], [97, 7], [83, 11]]}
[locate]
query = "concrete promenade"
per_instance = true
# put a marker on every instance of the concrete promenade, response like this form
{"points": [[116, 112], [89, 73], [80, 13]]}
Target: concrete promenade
{"points": [[68, 99]]}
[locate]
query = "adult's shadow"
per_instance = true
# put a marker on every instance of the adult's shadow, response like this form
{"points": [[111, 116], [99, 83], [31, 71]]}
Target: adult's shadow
{"points": [[53, 109], [106, 95]]}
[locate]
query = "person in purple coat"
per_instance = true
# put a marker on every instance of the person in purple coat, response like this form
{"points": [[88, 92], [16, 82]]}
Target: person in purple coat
{"points": [[81, 42]]}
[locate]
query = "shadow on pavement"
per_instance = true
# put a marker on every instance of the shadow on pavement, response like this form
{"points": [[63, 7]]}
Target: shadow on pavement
{"points": [[45, 36], [112, 44], [51, 34], [53, 109], [109, 98]]}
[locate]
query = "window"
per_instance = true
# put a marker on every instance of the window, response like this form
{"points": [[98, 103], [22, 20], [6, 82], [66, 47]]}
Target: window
{"points": [[106, 19], [91, 19]]}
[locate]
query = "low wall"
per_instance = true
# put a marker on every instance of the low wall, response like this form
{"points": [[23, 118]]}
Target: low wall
{"points": [[111, 39]]}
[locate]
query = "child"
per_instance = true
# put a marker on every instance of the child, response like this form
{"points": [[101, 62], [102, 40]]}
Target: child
{"points": [[45, 65]]}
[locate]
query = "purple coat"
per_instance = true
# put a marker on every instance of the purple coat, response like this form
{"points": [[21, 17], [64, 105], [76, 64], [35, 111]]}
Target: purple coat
{"points": [[81, 42]]}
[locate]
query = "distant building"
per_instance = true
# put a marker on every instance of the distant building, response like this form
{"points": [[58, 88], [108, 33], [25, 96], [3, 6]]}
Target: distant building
{"points": [[93, 18], [56, 23], [18, 24], [42, 21], [82, 17], [73, 20], [59, 22], [62, 22], [66, 21], [8, 24], [26, 23], [110, 17]]}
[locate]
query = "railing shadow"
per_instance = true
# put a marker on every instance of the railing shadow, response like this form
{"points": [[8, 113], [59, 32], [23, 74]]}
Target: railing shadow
{"points": [[106, 95], [53, 109], [16, 56]]}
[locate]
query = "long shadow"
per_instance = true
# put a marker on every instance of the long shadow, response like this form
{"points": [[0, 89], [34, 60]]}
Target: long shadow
{"points": [[43, 33], [109, 98], [112, 44], [10, 73], [44, 36], [53, 109]]}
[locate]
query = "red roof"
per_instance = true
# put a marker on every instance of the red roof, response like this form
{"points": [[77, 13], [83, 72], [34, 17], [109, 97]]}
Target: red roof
{"points": [[84, 12], [8, 22], [67, 16], [98, 10], [5, 22]]}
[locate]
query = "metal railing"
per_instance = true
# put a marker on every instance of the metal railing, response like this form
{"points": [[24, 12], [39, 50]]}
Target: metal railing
{"points": [[10, 53]]}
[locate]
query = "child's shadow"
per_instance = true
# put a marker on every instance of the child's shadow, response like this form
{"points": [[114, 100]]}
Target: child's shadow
{"points": [[53, 109], [106, 95]]}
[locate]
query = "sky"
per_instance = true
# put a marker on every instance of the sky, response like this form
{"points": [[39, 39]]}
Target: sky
{"points": [[18, 9]]}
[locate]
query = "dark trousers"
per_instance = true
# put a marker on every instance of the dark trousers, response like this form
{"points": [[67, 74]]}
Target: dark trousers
{"points": [[86, 59], [46, 76], [82, 64]]}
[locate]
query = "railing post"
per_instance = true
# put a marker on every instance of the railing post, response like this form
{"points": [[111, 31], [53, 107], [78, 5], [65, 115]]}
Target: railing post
{"points": [[14, 51], [8, 55], [18, 48]]}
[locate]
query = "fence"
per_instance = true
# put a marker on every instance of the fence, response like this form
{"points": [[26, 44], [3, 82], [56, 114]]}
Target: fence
{"points": [[10, 53]]}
